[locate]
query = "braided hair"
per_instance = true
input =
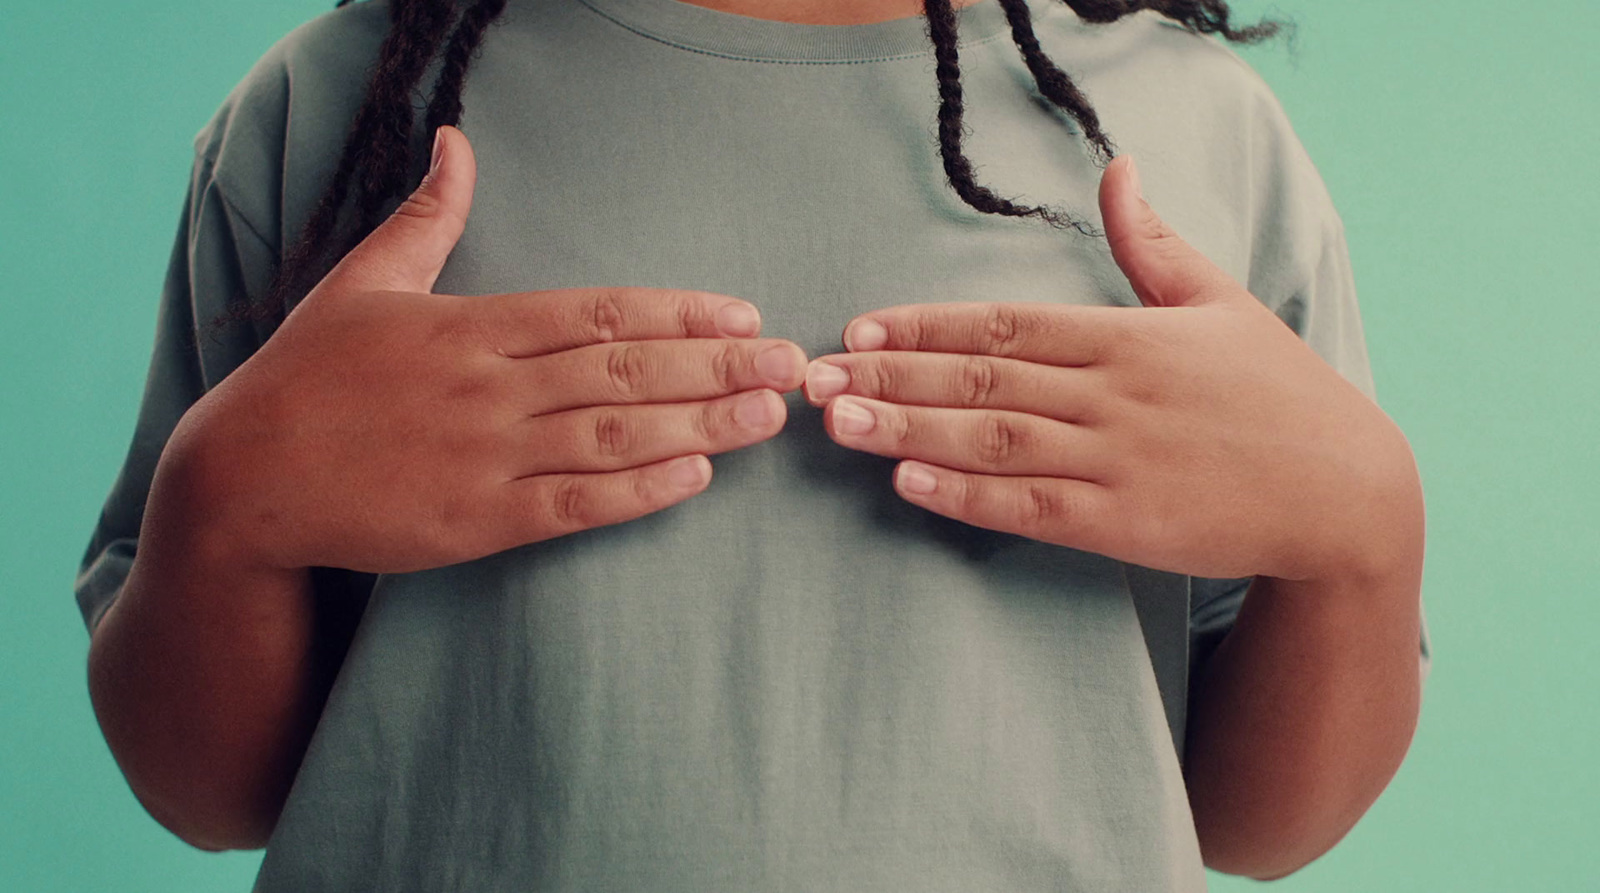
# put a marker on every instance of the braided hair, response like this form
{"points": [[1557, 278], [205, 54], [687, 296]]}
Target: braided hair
{"points": [[376, 164]]}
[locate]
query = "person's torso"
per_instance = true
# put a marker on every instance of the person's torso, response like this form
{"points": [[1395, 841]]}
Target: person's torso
{"points": [[794, 681]]}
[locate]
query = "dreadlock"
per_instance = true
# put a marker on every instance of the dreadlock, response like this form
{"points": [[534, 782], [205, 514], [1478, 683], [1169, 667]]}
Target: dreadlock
{"points": [[377, 158], [376, 163], [1199, 16]]}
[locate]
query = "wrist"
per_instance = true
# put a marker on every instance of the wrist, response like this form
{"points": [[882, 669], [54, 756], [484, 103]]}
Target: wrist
{"points": [[205, 504], [1373, 535]]}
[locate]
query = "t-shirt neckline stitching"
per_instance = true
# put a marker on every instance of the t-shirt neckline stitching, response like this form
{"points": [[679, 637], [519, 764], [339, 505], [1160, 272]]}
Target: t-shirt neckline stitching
{"points": [[711, 32]]}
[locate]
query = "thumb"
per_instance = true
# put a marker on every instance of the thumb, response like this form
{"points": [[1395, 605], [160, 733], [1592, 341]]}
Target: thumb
{"points": [[1164, 270], [407, 251]]}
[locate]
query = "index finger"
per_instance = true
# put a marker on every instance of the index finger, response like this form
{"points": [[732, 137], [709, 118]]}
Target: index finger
{"points": [[525, 324], [1058, 334]]}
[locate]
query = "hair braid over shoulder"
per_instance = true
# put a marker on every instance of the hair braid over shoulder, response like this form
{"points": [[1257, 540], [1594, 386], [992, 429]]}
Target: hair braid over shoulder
{"points": [[377, 162], [377, 157]]}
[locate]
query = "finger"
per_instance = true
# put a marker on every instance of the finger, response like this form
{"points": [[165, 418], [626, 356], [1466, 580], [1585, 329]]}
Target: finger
{"points": [[979, 440], [659, 372], [533, 323], [1065, 512], [1163, 269], [1061, 335], [407, 251], [972, 381], [614, 437], [550, 505]]}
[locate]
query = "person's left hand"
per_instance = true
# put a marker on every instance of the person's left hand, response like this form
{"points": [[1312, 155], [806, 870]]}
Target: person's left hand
{"points": [[1197, 435]]}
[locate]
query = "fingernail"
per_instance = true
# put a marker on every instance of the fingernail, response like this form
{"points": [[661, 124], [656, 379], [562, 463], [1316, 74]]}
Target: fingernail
{"points": [[823, 380], [777, 363], [438, 150], [1133, 177], [914, 478], [690, 471], [851, 418], [738, 320], [866, 335], [755, 411]]}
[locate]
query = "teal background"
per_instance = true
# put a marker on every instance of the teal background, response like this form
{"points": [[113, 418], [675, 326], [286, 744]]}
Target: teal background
{"points": [[1459, 141]]}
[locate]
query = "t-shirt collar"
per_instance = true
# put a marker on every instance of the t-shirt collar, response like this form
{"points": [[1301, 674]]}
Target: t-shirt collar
{"points": [[699, 29]]}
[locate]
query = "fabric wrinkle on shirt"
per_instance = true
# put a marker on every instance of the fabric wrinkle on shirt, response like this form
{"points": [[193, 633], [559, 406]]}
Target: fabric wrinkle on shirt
{"points": [[796, 680]]}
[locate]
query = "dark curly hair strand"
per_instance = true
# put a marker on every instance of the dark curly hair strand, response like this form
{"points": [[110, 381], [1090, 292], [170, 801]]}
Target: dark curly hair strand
{"points": [[378, 166]]}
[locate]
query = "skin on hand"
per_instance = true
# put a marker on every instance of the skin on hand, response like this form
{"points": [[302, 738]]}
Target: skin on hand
{"points": [[387, 429], [1203, 437], [423, 430], [1198, 435]]}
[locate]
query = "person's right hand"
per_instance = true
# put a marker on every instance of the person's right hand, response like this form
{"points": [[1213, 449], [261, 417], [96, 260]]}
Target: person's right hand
{"points": [[386, 429]]}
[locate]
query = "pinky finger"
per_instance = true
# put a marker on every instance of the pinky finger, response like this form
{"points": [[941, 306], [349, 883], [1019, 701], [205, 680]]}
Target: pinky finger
{"points": [[1062, 511], [544, 506]]}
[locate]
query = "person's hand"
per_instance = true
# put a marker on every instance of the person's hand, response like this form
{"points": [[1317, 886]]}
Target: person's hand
{"points": [[1197, 434], [387, 429]]}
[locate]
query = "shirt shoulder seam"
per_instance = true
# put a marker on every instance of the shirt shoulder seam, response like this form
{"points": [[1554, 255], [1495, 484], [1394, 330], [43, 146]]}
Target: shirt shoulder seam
{"points": [[208, 160]]}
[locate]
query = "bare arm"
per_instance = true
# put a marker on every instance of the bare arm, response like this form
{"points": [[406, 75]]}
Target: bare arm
{"points": [[202, 673], [1305, 712], [386, 429], [1198, 435]]}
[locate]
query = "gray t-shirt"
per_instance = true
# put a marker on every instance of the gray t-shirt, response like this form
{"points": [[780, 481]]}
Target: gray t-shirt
{"points": [[794, 681]]}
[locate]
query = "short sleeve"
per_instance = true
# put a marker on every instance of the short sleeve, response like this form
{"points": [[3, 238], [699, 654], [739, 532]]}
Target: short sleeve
{"points": [[218, 259], [258, 172], [1325, 314]]}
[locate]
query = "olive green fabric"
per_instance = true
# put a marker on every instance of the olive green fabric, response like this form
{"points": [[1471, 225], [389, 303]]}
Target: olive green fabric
{"points": [[794, 681]]}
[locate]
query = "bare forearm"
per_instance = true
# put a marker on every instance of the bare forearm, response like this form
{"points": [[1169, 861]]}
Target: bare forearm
{"points": [[202, 677], [1302, 717]]}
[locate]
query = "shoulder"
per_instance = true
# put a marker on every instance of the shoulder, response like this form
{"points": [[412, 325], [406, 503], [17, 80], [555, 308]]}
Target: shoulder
{"points": [[1146, 62], [1149, 49], [1213, 141], [325, 58], [301, 94]]}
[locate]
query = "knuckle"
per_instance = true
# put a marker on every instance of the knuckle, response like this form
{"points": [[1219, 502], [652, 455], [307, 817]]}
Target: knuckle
{"points": [[972, 498], [999, 440], [613, 437], [569, 504], [1148, 380], [645, 490], [725, 366], [469, 390], [1042, 506], [647, 493], [914, 332], [628, 369], [715, 420], [605, 315], [458, 330], [692, 316], [708, 420], [1005, 327], [902, 429], [1143, 392], [1140, 344], [977, 381], [877, 378]]}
